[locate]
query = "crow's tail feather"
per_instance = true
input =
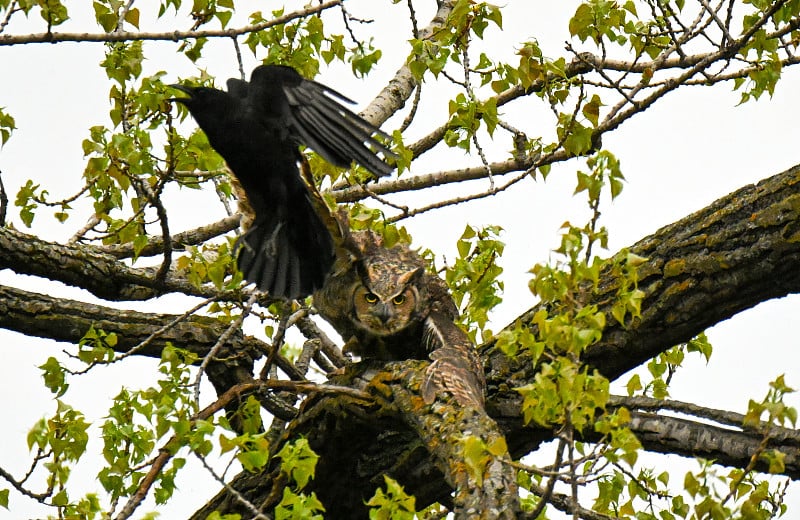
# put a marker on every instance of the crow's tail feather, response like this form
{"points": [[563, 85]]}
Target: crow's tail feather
{"points": [[288, 256]]}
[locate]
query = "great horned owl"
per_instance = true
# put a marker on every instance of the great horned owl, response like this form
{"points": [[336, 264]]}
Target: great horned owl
{"points": [[387, 306]]}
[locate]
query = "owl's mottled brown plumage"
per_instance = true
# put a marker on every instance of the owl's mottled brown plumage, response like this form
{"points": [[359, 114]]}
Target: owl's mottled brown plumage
{"points": [[387, 306]]}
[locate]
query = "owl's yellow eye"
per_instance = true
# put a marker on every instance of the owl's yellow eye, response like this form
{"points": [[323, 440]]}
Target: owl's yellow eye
{"points": [[400, 299], [370, 298]]}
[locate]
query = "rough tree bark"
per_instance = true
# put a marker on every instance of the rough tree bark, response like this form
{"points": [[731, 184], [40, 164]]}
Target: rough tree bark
{"points": [[739, 251]]}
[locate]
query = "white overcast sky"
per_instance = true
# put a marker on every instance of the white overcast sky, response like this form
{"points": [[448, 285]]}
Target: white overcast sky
{"points": [[689, 149]]}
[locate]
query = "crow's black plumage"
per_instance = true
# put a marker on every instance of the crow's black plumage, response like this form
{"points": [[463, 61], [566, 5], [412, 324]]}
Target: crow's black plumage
{"points": [[256, 127]]}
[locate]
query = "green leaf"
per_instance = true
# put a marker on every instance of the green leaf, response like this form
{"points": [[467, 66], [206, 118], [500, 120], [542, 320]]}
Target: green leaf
{"points": [[132, 17], [7, 126], [700, 344], [395, 503], [494, 14], [634, 384], [298, 461], [298, 506], [578, 140], [475, 457], [253, 460], [776, 460], [54, 376], [61, 498], [4, 498], [591, 110], [105, 17], [53, 12], [216, 515]]}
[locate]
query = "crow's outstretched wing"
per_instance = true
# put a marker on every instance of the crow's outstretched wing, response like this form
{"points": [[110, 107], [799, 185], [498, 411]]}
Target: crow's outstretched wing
{"points": [[318, 118]]}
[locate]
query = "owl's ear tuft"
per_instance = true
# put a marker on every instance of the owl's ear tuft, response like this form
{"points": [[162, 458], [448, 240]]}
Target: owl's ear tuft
{"points": [[410, 276]]}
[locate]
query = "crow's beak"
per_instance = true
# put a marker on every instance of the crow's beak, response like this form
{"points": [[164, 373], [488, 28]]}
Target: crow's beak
{"points": [[185, 90]]}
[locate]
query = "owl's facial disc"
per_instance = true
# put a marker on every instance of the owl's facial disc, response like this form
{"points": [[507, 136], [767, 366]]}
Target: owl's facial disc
{"points": [[383, 314]]}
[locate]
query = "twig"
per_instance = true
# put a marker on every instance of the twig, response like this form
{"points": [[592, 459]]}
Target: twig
{"points": [[19, 487], [62, 202], [169, 448], [310, 330], [123, 14], [544, 498], [149, 339], [553, 157], [421, 182], [346, 20], [616, 116], [175, 36], [277, 342], [257, 515], [191, 237], [223, 338], [13, 8], [722, 27], [238, 60], [81, 233], [474, 99], [154, 197]]}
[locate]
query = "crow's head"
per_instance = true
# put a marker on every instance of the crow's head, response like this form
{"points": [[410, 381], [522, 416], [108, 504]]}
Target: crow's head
{"points": [[208, 106], [198, 96]]}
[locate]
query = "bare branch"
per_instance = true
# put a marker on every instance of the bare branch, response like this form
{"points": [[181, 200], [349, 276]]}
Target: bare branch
{"points": [[155, 245], [175, 36], [394, 96], [420, 182]]}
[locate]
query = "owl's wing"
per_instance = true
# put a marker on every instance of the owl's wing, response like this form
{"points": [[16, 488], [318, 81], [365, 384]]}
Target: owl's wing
{"points": [[455, 367], [441, 301]]}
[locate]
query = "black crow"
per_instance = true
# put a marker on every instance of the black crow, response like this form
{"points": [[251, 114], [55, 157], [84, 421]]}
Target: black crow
{"points": [[256, 127]]}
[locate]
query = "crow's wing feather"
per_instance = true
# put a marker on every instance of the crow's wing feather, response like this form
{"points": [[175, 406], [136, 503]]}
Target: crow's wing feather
{"points": [[332, 130], [237, 87], [287, 258], [318, 97], [327, 137], [336, 143], [316, 117]]}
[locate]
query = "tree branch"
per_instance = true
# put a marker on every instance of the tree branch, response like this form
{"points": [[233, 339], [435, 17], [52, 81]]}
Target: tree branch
{"points": [[155, 244], [61, 319], [394, 434], [430, 180], [739, 251], [89, 268], [175, 36], [394, 96]]}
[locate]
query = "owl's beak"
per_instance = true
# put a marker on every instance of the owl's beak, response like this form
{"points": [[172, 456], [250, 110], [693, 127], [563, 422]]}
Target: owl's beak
{"points": [[383, 312]]}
